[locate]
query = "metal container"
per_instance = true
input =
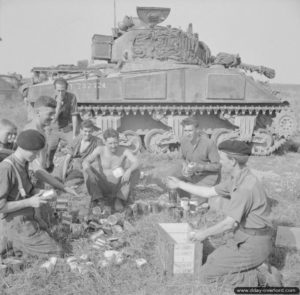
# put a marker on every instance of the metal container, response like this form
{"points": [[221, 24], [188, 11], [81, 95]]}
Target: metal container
{"points": [[173, 196], [49, 193], [193, 204], [118, 172], [184, 203]]}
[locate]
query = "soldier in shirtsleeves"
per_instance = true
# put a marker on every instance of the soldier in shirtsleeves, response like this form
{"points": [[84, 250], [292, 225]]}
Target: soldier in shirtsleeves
{"points": [[247, 210], [65, 123], [43, 114], [44, 111], [77, 151], [20, 231], [118, 172], [201, 161], [8, 132]]}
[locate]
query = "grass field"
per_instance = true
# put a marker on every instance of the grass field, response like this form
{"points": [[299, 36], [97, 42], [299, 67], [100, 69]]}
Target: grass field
{"points": [[281, 176]]}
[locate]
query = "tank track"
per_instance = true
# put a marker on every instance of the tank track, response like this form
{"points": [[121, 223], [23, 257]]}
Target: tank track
{"points": [[180, 109]]}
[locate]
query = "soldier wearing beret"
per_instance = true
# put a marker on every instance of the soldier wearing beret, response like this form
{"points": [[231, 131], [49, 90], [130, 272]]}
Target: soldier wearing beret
{"points": [[20, 231], [246, 213]]}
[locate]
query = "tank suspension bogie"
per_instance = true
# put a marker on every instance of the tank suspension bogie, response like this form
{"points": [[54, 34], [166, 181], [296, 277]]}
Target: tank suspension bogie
{"points": [[267, 127]]}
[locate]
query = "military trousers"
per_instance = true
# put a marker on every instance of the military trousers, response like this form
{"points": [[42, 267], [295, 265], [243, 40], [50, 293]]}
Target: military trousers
{"points": [[234, 264]]}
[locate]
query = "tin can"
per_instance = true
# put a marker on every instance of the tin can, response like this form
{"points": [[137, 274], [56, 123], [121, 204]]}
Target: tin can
{"points": [[184, 203], [193, 204], [173, 196], [118, 172], [49, 193], [191, 164]]}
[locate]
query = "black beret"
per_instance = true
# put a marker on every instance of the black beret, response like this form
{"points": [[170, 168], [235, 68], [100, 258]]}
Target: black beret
{"points": [[235, 147], [31, 140]]}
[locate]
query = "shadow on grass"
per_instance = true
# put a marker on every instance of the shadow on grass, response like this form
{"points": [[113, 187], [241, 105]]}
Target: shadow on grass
{"points": [[272, 202], [279, 254], [208, 248]]}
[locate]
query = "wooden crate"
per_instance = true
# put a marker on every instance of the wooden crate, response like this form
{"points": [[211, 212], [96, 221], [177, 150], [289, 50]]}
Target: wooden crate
{"points": [[288, 237], [177, 253]]}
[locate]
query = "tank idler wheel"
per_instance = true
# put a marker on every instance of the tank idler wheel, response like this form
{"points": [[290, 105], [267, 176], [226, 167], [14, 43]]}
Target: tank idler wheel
{"points": [[135, 140], [262, 143], [152, 141], [222, 134], [285, 123]]}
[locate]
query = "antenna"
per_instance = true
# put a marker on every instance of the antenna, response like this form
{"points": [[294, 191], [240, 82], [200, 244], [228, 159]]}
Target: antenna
{"points": [[115, 21], [0, 18]]}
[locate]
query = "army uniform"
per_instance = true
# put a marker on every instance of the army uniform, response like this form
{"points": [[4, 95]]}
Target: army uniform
{"points": [[237, 260], [75, 169], [61, 128], [205, 153], [19, 230]]}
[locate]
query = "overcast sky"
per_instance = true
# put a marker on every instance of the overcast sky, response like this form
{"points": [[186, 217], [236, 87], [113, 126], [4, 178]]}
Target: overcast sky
{"points": [[52, 32]]}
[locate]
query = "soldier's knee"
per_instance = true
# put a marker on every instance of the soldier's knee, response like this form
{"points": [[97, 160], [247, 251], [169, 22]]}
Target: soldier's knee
{"points": [[207, 275]]}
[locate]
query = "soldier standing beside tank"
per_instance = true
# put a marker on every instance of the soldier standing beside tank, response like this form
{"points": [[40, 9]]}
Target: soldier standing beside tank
{"points": [[201, 164], [65, 119]]}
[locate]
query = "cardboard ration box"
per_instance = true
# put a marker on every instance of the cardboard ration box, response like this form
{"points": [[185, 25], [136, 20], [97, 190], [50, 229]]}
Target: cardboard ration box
{"points": [[178, 254]]}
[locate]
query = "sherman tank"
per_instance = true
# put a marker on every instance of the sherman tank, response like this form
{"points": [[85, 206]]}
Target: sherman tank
{"points": [[146, 78]]}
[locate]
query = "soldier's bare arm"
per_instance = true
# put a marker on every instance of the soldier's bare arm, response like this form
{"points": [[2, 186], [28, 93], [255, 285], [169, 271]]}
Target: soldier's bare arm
{"points": [[35, 201], [133, 165], [91, 158], [202, 191], [227, 224]]}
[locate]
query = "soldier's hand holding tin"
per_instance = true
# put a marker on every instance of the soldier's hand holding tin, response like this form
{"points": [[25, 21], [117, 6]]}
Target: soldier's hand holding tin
{"points": [[38, 199], [186, 170]]}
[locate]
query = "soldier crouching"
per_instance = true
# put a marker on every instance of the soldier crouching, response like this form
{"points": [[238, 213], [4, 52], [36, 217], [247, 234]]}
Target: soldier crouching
{"points": [[247, 210], [20, 231]]}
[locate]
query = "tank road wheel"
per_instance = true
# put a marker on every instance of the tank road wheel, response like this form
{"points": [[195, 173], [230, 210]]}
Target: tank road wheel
{"points": [[131, 140], [285, 123], [153, 139], [262, 143], [222, 134]]}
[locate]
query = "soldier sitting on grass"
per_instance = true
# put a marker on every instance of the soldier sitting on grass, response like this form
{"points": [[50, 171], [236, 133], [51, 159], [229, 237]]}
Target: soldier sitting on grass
{"points": [[77, 151], [8, 132], [118, 173]]}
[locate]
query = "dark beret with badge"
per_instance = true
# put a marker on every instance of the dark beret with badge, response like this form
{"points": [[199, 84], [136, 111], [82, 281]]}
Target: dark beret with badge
{"points": [[31, 140]]}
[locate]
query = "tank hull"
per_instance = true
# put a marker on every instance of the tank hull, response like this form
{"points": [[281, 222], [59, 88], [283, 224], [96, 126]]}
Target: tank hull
{"points": [[183, 86], [225, 101]]}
